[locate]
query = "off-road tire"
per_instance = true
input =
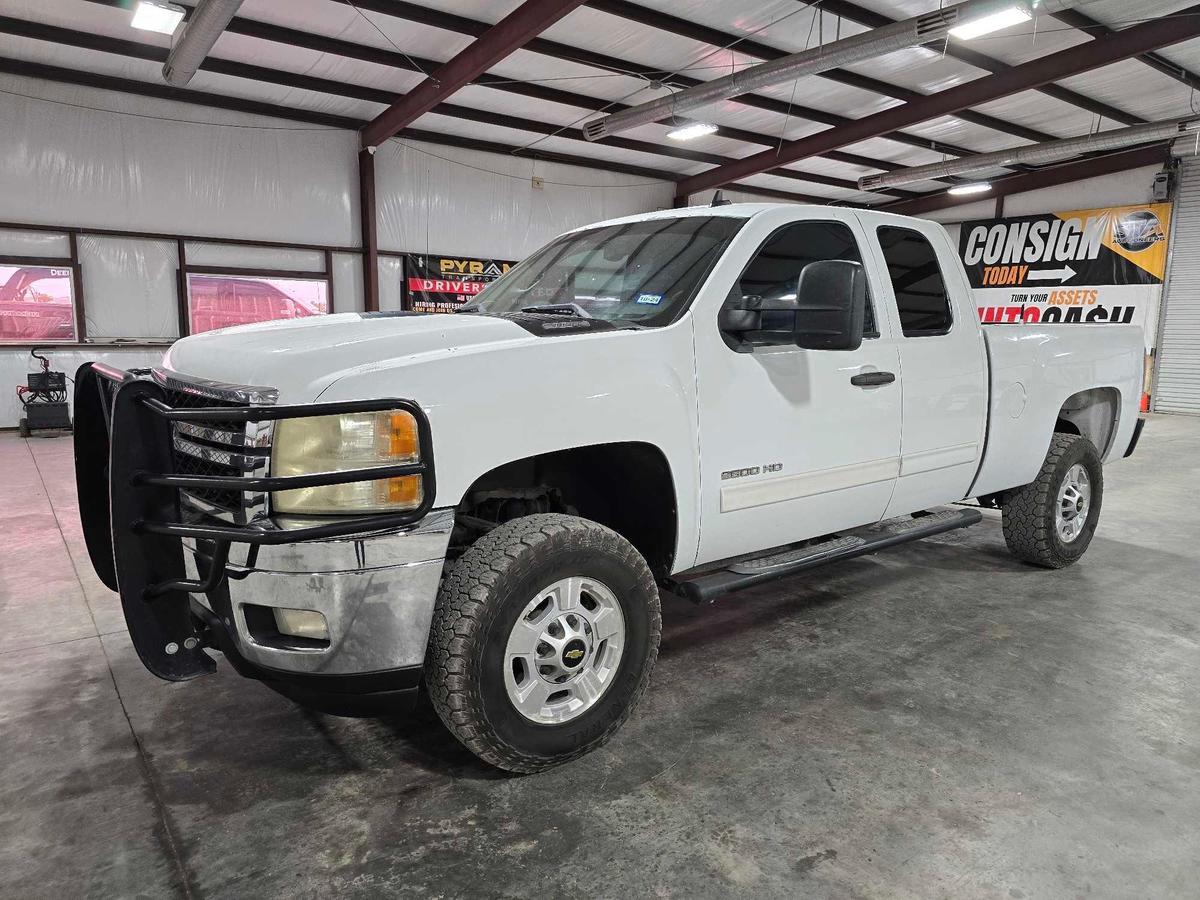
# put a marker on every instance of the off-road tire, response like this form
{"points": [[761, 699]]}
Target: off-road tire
{"points": [[23, 428], [1028, 512], [479, 601]]}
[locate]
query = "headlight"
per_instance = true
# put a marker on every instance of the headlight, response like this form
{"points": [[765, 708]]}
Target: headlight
{"points": [[339, 443]]}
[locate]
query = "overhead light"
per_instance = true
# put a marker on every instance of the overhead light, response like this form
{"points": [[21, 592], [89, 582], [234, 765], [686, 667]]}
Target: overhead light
{"points": [[152, 15], [692, 131], [963, 190], [1006, 18]]}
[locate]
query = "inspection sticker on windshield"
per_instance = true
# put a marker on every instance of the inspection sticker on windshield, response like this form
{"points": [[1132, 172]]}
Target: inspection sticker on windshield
{"points": [[650, 299]]}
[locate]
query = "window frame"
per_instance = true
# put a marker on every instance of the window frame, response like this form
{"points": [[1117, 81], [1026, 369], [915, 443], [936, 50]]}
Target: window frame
{"points": [[924, 333], [185, 295], [862, 261], [78, 323]]}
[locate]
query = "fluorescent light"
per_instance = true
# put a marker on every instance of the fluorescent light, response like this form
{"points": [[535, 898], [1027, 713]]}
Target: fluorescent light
{"points": [[693, 130], [151, 15], [962, 190], [1014, 15]]}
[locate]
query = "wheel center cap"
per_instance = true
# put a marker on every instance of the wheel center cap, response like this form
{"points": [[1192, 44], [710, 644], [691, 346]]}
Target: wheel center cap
{"points": [[573, 653]]}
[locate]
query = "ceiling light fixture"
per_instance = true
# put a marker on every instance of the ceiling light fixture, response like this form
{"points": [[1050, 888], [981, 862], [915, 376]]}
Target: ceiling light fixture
{"points": [[1006, 18], [963, 190], [152, 15], [691, 131]]}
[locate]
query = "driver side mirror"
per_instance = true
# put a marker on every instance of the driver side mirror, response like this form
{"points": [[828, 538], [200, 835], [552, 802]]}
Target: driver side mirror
{"points": [[826, 314], [831, 301]]}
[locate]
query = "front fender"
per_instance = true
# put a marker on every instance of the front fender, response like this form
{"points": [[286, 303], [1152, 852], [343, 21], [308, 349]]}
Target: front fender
{"points": [[491, 406]]}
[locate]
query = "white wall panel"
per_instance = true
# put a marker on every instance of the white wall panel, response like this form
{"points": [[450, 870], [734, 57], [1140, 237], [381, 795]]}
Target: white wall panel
{"points": [[134, 286], [347, 282], [240, 256], [34, 243], [445, 200], [65, 164], [391, 283]]}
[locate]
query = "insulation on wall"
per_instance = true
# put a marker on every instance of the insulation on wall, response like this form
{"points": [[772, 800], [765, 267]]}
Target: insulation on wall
{"points": [[444, 200], [133, 283]]}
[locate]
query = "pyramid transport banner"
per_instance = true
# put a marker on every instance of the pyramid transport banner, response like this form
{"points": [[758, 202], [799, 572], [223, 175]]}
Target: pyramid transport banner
{"points": [[444, 283], [1084, 267]]}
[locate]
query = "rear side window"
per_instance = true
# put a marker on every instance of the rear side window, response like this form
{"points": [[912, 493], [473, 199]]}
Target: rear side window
{"points": [[917, 282], [774, 272]]}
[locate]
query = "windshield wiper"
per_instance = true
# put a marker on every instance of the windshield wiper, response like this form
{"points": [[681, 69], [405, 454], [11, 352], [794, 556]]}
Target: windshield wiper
{"points": [[559, 309]]}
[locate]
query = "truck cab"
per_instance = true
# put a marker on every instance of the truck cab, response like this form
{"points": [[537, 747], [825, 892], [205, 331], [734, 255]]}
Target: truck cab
{"points": [[489, 502]]}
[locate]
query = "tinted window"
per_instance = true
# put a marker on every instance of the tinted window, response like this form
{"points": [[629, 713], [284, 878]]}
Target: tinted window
{"points": [[644, 273], [775, 270], [917, 281]]}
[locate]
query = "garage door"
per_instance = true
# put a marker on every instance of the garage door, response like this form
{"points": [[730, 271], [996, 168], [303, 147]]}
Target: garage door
{"points": [[1177, 387]]}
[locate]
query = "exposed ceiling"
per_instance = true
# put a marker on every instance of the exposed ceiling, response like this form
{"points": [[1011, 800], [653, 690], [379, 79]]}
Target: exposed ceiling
{"points": [[341, 63]]}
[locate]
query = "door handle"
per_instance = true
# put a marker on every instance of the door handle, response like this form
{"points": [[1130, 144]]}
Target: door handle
{"points": [[872, 379]]}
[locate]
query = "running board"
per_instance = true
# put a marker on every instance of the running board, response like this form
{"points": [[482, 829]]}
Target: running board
{"points": [[707, 587]]}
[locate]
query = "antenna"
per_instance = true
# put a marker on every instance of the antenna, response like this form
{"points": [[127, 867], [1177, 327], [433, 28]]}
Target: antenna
{"points": [[719, 200]]}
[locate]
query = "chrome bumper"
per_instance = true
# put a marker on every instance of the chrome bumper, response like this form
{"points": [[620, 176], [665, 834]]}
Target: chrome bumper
{"points": [[377, 594]]}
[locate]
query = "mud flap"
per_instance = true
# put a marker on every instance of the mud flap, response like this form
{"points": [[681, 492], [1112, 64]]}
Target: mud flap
{"points": [[161, 626]]}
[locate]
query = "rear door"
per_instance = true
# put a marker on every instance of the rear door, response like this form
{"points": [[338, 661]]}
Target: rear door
{"points": [[790, 447], [943, 363]]}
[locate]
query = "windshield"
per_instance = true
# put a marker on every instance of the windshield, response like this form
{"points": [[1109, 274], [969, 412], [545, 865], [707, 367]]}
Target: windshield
{"points": [[641, 273]]}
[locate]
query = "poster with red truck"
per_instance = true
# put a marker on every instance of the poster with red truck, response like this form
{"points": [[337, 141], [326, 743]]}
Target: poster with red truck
{"points": [[37, 304], [220, 301], [1086, 267], [444, 283]]}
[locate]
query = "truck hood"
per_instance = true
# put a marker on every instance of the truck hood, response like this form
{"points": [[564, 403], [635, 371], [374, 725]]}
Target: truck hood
{"points": [[301, 357]]}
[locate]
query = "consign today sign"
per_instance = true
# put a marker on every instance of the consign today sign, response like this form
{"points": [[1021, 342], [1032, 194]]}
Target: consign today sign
{"points": [[1092, 266]]}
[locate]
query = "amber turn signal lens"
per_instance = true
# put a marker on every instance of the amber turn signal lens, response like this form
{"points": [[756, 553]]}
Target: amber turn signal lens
{"points": [[402, 437], [405, 490]]}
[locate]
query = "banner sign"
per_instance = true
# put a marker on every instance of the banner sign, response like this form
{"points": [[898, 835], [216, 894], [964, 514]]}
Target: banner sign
{"points": [[444, 283], [1090, 266]]}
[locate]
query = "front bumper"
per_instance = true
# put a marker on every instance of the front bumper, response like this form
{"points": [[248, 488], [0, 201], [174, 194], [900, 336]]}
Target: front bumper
{"points": [[188, 581], [376, 593]]}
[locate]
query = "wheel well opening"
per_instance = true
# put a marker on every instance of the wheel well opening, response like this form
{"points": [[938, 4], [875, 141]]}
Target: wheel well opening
{"points": [[1091, 414], [624, 486]]}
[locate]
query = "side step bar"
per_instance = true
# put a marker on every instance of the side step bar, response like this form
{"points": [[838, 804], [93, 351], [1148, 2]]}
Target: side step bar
{"points": [[707, 587]]}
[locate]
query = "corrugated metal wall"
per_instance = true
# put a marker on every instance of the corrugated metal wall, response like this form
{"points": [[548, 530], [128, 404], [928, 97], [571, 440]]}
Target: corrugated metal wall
{"points": [[1177, 385]]}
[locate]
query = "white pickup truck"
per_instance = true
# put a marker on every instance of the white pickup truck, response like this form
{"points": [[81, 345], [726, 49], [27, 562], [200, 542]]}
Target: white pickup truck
{"points": [[488, 502]]}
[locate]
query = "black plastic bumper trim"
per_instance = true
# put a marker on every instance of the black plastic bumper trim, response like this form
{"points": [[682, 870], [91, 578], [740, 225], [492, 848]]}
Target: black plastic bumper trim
{"points": [[357, 694]]}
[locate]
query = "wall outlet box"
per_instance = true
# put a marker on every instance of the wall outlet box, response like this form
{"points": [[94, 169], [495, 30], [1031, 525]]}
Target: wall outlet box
{"points": [[538, 183]]}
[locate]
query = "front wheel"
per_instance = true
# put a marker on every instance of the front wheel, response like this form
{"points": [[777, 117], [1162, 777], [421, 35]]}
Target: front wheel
{"points": [[542, 641], [1050, 521]]}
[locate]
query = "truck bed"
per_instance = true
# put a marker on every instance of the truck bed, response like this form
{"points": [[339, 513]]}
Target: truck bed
{"points": [[1034, 371]]}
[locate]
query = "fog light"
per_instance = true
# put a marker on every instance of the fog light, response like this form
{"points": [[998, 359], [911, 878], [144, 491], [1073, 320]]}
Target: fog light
{"points": [[301, 623]]}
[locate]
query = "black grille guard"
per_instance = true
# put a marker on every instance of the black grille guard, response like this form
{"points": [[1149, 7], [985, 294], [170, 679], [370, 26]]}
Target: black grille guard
{"points": [[130, 510]]}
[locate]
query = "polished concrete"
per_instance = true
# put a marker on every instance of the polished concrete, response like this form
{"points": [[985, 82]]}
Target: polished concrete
{"points": [[934, 721]]}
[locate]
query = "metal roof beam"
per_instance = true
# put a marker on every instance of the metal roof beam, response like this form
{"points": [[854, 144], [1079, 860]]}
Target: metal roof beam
{"points": [[1092, 28], [855, 13], [715, 37], [1124, 44], [509, 34], [451, 22]]}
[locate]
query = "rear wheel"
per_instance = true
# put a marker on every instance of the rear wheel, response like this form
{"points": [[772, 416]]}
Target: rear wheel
{"points": [[1050, 521], [23, 428], [543, 640]]}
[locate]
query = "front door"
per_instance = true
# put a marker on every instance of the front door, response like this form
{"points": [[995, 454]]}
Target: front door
{"points": [[790, 448]]}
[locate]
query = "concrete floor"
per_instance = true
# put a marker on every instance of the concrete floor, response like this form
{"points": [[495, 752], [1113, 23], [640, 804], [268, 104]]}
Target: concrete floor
{"points": [[934, 721]]}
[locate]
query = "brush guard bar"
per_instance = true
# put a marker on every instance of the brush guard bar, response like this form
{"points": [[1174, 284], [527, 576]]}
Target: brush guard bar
{"points": [[130, 508]]}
